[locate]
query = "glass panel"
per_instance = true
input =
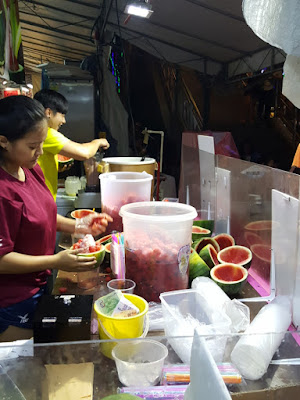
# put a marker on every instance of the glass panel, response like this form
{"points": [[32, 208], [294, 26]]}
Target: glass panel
{"points": [[81, 366], [251, 211]]}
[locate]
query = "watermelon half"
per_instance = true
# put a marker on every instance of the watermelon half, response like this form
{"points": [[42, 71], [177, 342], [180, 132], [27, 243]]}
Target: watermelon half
{"points": [[81, 213], [100, 254], [262, 251], [236, 255], [205, 223], [198, 233], [230, 277], [209, 255], [252, 238], [224, 240], [197, 267], [199, 244], [64, 160]]}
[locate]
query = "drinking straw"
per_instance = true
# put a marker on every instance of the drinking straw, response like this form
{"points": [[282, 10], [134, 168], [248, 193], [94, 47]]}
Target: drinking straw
{"points": [[180, 374], [156, 392]]}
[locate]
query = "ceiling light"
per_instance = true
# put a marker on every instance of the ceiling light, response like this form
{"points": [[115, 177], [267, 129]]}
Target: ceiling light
{"points": [[4, 82], [30, 85], [139, 8]]}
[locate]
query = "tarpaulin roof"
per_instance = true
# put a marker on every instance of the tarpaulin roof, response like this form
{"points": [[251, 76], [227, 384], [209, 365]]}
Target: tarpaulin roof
{"points": [[200, 34]]}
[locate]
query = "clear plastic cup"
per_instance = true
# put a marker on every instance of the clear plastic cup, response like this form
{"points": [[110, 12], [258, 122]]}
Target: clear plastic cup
{"points": [[88, 279], [125, 285], [140, 363]]}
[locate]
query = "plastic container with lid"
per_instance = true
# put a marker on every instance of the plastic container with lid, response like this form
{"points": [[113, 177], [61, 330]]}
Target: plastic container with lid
{"points": [[157, 246], [119, 188]]}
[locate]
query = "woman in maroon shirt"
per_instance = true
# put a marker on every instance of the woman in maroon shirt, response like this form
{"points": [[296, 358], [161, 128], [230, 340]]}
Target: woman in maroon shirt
{"points": [[29, 218]]}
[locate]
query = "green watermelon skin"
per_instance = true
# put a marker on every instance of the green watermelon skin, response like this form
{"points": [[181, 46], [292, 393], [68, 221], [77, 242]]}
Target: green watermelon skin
{"points": [[197, 267]]}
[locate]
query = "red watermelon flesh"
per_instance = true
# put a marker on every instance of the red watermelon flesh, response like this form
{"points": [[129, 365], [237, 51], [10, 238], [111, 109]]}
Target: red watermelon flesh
{"points": [[229, 273], [262, 251], [224, 240], [252, 238], [259, 225], [235, 254]]}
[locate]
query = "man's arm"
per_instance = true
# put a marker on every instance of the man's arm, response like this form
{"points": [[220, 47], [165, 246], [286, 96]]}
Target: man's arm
{"points": [[83, 151]]}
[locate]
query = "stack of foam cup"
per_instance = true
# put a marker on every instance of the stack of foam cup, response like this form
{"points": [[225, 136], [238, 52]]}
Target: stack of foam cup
{"points": [[254, 351]]}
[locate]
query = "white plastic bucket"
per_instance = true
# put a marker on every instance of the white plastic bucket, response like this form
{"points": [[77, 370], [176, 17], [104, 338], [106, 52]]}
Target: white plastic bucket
{"points": [[157, 246], [120, 188]]}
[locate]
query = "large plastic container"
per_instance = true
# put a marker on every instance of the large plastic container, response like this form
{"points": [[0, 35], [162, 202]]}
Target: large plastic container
{"points": [[131, 164], [157, 246], [119, 188], [187, 310]]}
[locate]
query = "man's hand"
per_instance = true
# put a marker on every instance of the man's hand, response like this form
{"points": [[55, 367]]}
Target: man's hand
{"points": [[104, 144]]}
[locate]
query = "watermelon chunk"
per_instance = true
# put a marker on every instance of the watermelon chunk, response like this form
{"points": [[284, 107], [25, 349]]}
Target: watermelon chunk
{"points": [[197, 267], [209, 255], [198, 233]]}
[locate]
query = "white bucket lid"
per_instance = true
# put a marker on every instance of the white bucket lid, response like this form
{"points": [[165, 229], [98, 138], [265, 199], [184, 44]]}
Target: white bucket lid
{"points": [[126, 176], [128, 160], [158, 211]]}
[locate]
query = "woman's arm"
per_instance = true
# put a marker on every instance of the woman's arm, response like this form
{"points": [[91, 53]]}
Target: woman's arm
{"points": [[64, 224], [16, 263]]}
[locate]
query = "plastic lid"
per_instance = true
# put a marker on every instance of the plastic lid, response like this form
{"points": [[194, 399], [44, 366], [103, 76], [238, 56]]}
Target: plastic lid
{"points": [[158, 211], [126, 176], [128, 160]]}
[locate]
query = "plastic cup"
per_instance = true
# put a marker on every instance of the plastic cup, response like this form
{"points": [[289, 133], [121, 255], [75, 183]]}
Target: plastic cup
{"points": [[88, 279], [125, 285], [140, 363]]}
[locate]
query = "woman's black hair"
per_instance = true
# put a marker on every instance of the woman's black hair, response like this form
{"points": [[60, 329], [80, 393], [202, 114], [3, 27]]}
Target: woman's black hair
{"points": [[53, 100], [19, 115]]}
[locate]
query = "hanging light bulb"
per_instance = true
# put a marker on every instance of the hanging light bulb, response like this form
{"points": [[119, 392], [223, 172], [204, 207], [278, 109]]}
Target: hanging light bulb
{"points": [[139, 8]]}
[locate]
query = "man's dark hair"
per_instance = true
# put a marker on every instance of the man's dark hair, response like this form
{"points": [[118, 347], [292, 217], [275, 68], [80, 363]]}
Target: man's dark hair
{"points": [[53, 100], [19, 115]]}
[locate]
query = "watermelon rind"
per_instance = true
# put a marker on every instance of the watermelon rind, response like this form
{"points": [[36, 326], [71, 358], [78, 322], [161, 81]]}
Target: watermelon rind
{"points": [[224, 240], [199, 244], [197, 267], [224, 254], [104, 240], [209, 255], [203, 232], [230, 287], [100, 254], [107, 251], [207, 224]]}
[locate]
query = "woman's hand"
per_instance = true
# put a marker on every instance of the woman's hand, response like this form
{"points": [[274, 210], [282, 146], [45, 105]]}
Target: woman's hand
{"points": [[70, 261], [95, 224]]}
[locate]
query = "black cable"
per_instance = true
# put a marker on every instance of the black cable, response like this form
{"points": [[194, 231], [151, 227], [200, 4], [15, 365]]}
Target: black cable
{"points": [[127, 81]]}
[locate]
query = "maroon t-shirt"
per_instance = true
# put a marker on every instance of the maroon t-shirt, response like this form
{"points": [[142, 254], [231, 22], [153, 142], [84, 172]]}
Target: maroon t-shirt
{"points": [[28, 226]]}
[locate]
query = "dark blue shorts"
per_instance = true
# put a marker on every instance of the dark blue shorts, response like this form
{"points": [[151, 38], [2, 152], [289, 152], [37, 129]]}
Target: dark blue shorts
{"points": [[20, 314]]}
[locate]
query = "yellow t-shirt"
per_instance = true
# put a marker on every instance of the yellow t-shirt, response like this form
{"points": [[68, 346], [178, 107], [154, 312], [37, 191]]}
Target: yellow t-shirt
{"points": [[53, 144], [296, 160]]}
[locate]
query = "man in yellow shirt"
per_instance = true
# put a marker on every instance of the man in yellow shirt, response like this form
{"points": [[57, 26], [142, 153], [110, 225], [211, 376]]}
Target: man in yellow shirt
{"points": [[296, 160], [56, 107]]}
